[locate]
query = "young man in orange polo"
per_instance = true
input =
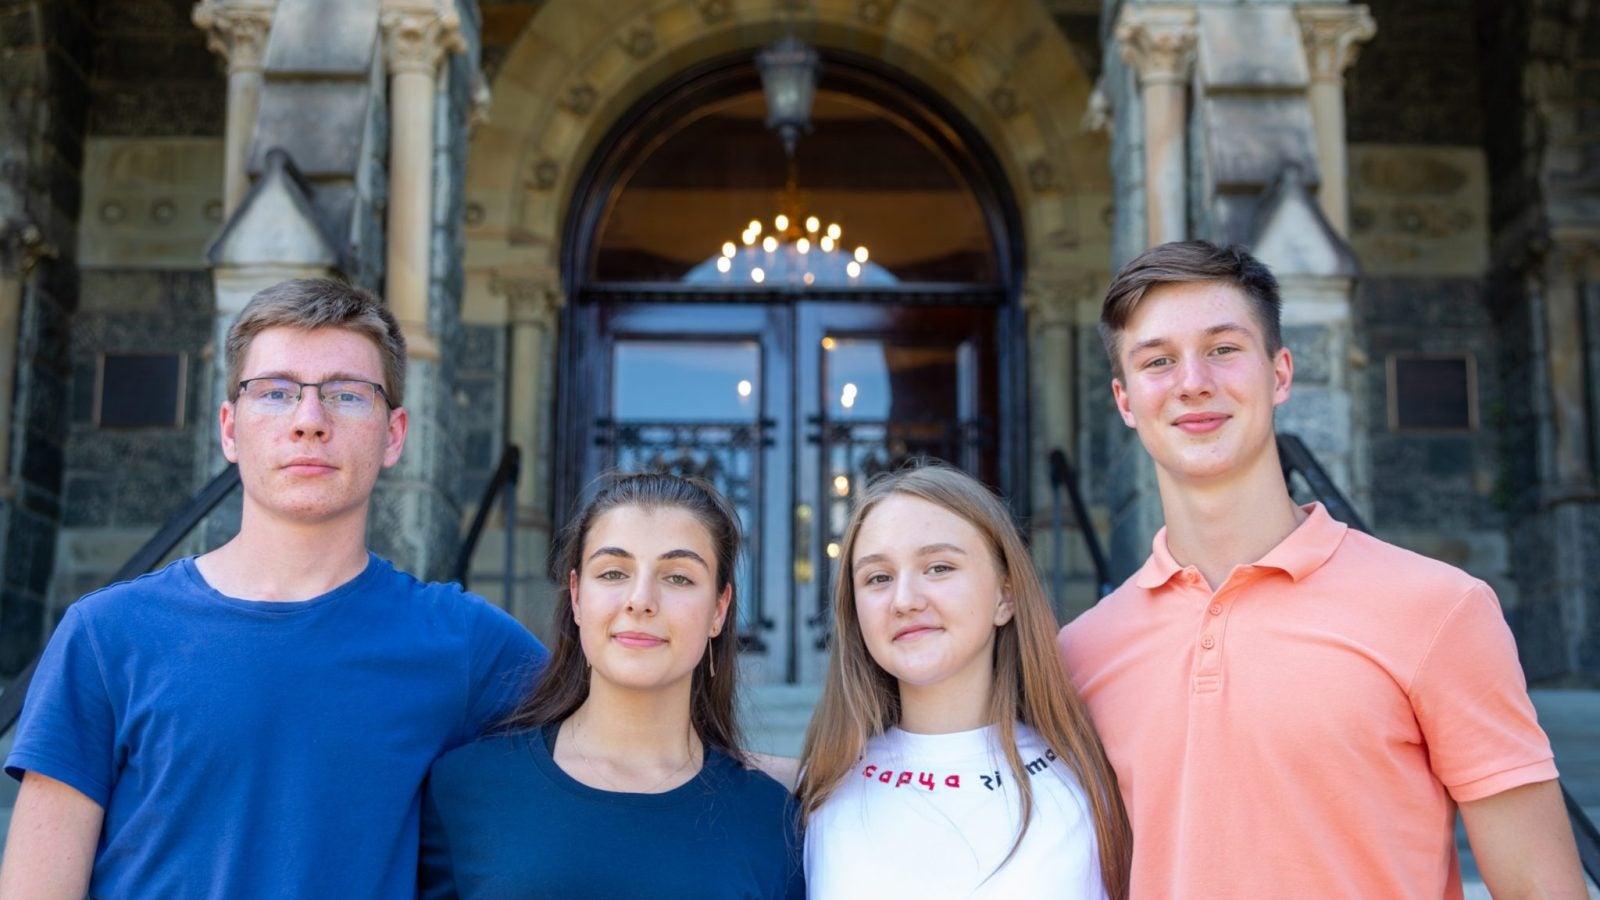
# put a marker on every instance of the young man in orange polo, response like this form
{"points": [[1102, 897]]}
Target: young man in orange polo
{"points": [[1293, 708]]}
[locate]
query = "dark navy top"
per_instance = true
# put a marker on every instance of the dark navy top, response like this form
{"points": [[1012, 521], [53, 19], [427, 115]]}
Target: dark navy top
{"points": [[501, 819]]}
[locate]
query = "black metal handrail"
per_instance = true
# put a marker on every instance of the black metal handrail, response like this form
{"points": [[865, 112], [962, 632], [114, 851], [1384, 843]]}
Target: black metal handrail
{"points": [[1064, 477], [503, 483], [146, 558], [1297, 457]]}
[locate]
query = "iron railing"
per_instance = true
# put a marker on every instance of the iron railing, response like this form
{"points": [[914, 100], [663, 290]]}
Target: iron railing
{"points": [[502, 484], [1063, 477], [146, 558]]}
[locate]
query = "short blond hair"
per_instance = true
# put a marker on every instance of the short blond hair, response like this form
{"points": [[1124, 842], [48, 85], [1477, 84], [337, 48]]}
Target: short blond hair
{"points": [[309, 303]]}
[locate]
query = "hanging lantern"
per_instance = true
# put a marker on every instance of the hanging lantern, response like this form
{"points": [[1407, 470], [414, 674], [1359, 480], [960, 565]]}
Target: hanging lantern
{"points": [[789, 71]]}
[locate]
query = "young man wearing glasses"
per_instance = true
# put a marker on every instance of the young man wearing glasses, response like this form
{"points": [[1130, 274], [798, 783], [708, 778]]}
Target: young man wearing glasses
{"points": [[1293, 708], [256, 721]]}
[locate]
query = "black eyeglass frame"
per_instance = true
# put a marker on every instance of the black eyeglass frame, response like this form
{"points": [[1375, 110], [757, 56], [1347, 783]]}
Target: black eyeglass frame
{"points": [[243, 386]]}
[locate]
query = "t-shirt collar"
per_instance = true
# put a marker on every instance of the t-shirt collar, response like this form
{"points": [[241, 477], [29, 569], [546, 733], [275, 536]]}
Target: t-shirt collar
{"points": [[1298, 555]]}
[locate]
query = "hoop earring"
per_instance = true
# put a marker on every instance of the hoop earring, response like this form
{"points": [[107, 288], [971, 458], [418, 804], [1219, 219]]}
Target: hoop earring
{"points": [[711, 657]]}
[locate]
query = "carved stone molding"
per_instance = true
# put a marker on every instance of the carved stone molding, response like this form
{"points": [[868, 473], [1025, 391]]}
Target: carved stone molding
{"points": [[639, 42], [1004, 102], [21, 248], [579, 99], [873, 12], [1053, 302], [543, 173], [949, 46], [714, 11], [529, 301], [416, 37], [1158, 42], [1332, 35], [235, 31]]}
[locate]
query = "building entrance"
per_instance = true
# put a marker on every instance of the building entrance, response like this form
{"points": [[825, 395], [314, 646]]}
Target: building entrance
{"points": [[788, 325], [788, 408]]}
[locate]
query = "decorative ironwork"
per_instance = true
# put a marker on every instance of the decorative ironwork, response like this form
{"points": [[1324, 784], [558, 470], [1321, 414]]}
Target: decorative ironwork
{"points": [[855, 451], [727, 454]]}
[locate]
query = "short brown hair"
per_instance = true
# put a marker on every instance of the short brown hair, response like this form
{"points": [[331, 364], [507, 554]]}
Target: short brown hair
{"points": [[320, 303], [1182, 262]]}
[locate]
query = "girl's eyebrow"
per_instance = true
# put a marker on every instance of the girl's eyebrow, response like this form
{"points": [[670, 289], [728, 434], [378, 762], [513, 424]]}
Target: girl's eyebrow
{"points": [[927, 550]]}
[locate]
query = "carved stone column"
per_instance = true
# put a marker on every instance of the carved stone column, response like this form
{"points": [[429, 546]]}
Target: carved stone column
{"points": [[1331, 35], [20, 249], [531, 307], [416, 36], [237, 31], [1159, 43]]}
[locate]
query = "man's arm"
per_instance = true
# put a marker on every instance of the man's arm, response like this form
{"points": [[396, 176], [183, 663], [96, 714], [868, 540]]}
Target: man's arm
{"points": [[1523, 844], [50, 847]]}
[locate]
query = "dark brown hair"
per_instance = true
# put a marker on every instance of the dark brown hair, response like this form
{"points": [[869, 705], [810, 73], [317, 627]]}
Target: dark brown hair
{"points": [[1182, 262], [565, 682], [309, 303], [861, 700]]}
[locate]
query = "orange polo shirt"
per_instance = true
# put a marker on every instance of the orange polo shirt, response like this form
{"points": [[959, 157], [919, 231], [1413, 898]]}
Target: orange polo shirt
{"points": [[1307, 729]]}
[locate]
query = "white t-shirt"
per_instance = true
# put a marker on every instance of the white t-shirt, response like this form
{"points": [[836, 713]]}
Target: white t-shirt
{"points": [[932, 815]]}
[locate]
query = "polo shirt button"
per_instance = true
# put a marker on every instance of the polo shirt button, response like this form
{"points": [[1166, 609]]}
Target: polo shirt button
{"points": [[1216, 609], [1208, 642]]}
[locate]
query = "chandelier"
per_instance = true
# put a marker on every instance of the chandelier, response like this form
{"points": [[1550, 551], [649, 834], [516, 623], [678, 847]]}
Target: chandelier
{"points": [[798, 249]]}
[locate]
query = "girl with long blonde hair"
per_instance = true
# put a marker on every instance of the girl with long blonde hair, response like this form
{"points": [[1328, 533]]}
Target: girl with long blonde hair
{"points": [[949, 755]]}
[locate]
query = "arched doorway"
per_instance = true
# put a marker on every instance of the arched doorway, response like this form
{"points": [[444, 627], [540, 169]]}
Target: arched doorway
{"points": [[787, 328]]}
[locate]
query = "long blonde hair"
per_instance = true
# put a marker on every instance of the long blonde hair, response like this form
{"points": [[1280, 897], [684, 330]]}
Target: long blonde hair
{"points": [[860, 700]]}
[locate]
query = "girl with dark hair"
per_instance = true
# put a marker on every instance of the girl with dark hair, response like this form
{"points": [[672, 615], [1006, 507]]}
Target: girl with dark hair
{"points": [[949, 756], [622, 774]]}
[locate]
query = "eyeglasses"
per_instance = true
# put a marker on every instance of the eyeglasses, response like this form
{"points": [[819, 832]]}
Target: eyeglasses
{"points": [[345, 398]]}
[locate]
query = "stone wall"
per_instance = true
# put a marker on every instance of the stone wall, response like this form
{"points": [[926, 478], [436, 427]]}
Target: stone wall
{"points": [[151, 186], [1544, 165], [44, 53]]}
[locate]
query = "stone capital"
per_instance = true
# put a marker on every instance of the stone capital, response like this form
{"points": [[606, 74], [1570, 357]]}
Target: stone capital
{"points": [[1332, 34], [1054, 302], [529, 301], [236, 30], [1158, 42], [416, 35], [21, 248]]}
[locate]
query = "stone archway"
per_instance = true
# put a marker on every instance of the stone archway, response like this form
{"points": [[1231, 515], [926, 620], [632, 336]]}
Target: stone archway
{"points": [[1003, 65]]}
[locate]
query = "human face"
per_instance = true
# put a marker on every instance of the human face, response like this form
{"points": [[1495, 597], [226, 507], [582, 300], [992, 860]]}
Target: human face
{"points": [[1198, 384], [929, 596], [645, 598], [306, 466]]}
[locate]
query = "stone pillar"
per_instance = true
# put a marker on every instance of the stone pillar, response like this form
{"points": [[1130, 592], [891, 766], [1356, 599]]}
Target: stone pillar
{"points": [[20, 248], [416, 35], [237, 31], [1158, 42], [1569, 471], [1331, 35], [531, 307]]}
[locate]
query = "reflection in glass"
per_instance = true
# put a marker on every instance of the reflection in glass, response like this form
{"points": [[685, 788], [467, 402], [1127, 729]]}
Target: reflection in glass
{"points": [[702, 381]]}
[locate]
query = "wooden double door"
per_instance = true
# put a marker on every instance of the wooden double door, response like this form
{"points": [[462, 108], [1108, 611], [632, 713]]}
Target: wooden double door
{"points": [[789, 407]]}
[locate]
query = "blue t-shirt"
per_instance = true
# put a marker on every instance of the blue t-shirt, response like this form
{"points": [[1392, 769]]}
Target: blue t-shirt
{"points": [[501, 819], [248, 749]]}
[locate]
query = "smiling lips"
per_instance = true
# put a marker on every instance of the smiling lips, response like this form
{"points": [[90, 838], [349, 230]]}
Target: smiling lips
{"points": [[913, 632], [638, 640], [1200, 423]]}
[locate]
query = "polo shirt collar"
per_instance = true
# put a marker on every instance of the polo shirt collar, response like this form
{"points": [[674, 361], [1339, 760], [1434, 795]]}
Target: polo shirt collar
{"points": [[1298, 555]]}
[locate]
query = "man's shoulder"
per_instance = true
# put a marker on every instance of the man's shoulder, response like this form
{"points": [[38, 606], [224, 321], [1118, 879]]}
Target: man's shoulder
{"points": [[1390, 568], [136, 597], [440, 598]]}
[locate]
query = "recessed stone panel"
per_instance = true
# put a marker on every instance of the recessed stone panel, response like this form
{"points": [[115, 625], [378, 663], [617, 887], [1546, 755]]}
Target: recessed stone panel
{"points": [[149, 203], [318, 36], [1250, 139], [1419, 210]]}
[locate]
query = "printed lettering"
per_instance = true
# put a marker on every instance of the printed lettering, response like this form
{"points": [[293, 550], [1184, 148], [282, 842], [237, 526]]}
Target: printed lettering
{"points": [[952, 781], [1037, 766], [992, 781], [1049, 754], [867, 772], [885, 775], [926, 780], [905, 778]]}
